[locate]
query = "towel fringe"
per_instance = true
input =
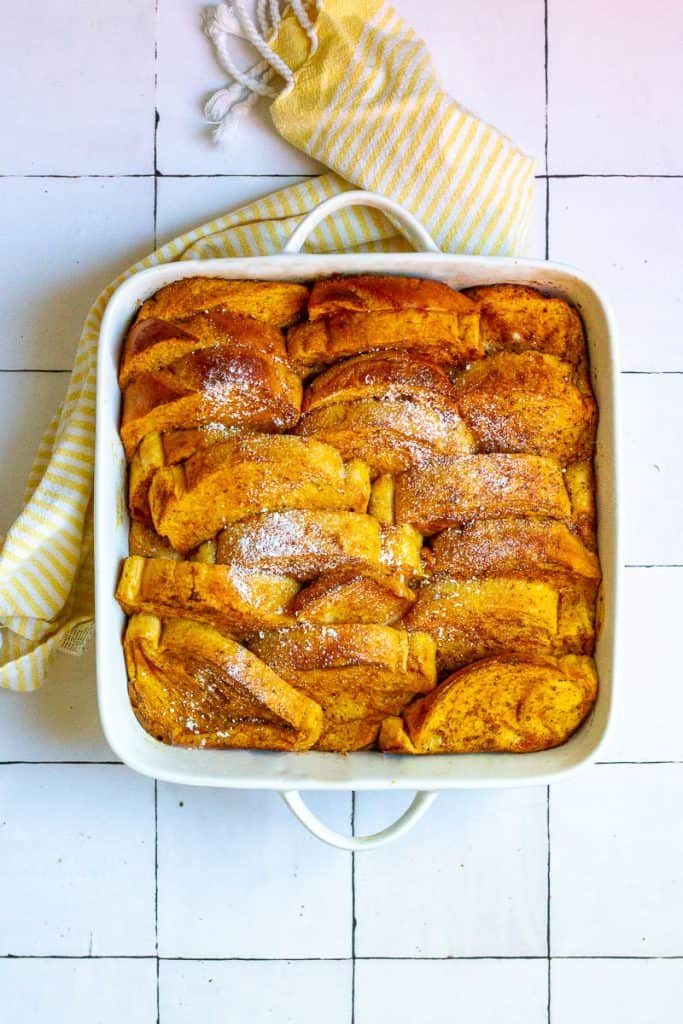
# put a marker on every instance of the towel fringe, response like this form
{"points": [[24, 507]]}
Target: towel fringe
{"points": [[230, 20]]}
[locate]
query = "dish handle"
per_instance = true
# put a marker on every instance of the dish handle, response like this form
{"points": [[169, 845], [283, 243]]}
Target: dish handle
{"points": [[420, 803], [408, 225]]}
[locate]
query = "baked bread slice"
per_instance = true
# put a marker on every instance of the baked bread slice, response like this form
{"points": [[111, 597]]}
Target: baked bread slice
{"points": [[358, 673], [580, 482], [515, 317], [527, 402], [279, 303], [301, 542], [224, 596], [213, 385], [401, 551], [390, 435], [194, 687], [146, 542], [157, 450], [382, 499], [451, 337], [312, 646], [371, 292], [541, 549], [388, 375], [247, 475], [152, 344], [456, 490], [345, 737], [508, 703], [354, 595], [473, 618]]}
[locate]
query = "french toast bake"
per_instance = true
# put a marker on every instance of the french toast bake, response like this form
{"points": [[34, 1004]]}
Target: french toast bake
{"points": [[362, 515]]}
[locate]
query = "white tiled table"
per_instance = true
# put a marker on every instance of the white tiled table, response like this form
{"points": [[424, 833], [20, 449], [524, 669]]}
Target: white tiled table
{"points": [[122, 899]]}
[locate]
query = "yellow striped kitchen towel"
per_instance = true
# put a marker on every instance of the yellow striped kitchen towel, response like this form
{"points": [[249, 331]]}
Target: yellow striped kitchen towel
{"points": [[360, 95]]}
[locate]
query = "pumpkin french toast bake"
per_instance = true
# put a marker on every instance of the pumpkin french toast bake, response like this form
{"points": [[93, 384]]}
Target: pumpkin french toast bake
{"points": [[362, 515]]}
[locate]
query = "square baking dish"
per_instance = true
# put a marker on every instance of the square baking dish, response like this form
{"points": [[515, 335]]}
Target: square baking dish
{"points": [[289, 772]]}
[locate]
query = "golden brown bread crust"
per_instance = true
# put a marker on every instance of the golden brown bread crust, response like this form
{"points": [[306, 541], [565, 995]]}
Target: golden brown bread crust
{"points": [[279, 303], [391, 653], [345, 737], [152, 344], [214, 385], [313, 646], [498, 704], [372, 292], [454, 491], [392, 374], [249, 474], [354, 595], [515, 317], [146, 542], [532, 548], [390, 436], [224, 596], [301, 542], [402, 551], [357, 673], [580, 482], [474, 618], [527, 402], [382, 499], [450, 337], [157, 450], [192, 686]]}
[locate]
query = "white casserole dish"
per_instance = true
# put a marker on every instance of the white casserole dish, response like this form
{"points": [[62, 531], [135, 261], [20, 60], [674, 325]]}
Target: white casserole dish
{"points": [[290, 772]]}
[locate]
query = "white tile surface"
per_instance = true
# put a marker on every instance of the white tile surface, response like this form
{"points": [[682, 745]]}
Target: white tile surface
{"points": [[616, 991], [479, 73], [615, 78], [187, 75], [622, 232], [282, 992], [76, 860], [649, 705], [96, 991], [617, 862], [470, 879], [58, 722], [446, 991], [70, 238], [652, 413], [238, 876], [28, 401], [77, 89], [185, 203]]}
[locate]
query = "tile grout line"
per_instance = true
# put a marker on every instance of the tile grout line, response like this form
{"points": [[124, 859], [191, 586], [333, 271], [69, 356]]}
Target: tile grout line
{"points": [[548, 898], [116, 764], [156, 122], [445, 958], [156, 890], [642, 175], [353, 911], [653, 565], [546, 132]]}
